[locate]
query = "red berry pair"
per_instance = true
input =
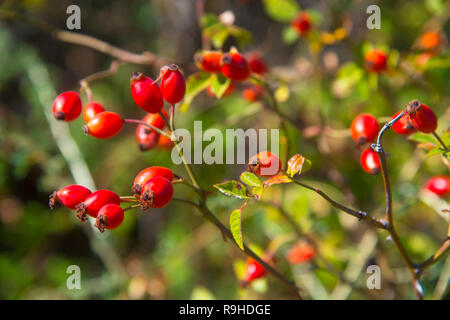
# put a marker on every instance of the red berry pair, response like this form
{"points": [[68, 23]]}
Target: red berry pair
{"points": [[265, 164], [142, 177], [94, 202], [421, 116], [364, 129], [153, 187]]}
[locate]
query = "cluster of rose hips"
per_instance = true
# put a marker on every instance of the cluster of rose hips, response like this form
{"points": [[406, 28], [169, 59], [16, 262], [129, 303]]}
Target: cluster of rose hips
{"points": [[236, 67]]}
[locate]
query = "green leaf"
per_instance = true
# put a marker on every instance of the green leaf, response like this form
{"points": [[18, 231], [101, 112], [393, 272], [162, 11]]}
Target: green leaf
{"points": [[434, 152], [195, 84], [281, 10], [289, 35], [250, 179], [297, 164], [278, 179], [208, 20], [242, 36], [236, 227], [233, 188], [218, 33], [257, 192], [219, 84], [422, 138]]}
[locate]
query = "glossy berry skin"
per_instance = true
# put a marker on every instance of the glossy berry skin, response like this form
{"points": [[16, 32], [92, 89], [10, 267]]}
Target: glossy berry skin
{"points": [[67, 106], [91, 110], [265, 164], [69, 196], [234, 66], [94, 202], [439, 185], [370, 161], [142, 177], [375, 60], [421, 116], [403, 126], [253, 270], [256, 63], [109, 217], [173, 85], [156, 193], [301, 252], [165, 142], [146, 93], [364, 128], [209, 61], [302, 24], [104, 125], [253, 93]]}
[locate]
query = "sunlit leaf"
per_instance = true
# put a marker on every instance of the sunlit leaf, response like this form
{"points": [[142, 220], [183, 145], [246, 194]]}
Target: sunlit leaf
{"points": [[250, 179], [281, 10], [297, 164], [219, 84], [236, 227], [195, 84], [233, 188], [422, 138]]}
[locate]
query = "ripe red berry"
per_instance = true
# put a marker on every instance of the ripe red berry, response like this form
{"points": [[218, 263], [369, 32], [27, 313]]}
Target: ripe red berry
{"points": [[173, 85], [67, 106], [165, 143], [439, 185], [403, 126], [430, 40], [104, 125], [209, 61], [91, 110], [256, 62], [146, 93], [146, 137], [142, 177], [156, 193], [253, 93], [234, 66], [109, 217], [265, 164], [421, 116], [301, 252], [253, 270], [370, 161], [230, 89], [364, 128], [94, 202], [375, 60], [302, 24], [69, 196]]}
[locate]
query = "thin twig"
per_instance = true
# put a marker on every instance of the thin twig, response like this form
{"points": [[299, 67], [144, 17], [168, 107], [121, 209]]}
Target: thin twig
{"points": [[440, 141]]}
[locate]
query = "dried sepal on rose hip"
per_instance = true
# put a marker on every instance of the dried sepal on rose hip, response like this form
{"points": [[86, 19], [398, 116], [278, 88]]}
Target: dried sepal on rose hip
{"points": [[234, 65], [370, 161], [104, 125], [69, 196], [91, 110], [142, 177], [94, 202], [265, 164], [173, 85], [208, 61], [157, 192], [364, 129], [109, 217], [146, 93], [67, 106], [421, 116]]}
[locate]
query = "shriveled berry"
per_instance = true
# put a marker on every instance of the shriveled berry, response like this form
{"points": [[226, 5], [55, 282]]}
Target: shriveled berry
{"points": [[403, 126], [209, 61], [301, 252], [109, 217], [69, 196], [104, 125], [364, 128], [253, 93], [421, 116], [91, 110], [142, 177], [439, 185], [173, 85], [370, 161], [302, 24], [265, 164], [156, 193], [67, 106], [256, 62], [234, 66], [94, 202], [253, 270], [375, 60], [146, 93]]}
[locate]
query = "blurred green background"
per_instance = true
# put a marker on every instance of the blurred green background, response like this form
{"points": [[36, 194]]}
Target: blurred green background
{"points": [[174, 253]]}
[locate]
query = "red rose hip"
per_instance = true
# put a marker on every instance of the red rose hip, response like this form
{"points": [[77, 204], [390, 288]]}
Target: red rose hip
{"points": [[370, 161], [256, 62], [69, 196], [104, 125], [109, 217], [421, 116], [173, 85], [253, 270], [403, 126], [142, 177], [439, 185], [67, 106], [209, 61], [375, 60], [146, 93], [302, 24], [234, 66], [301, 252], [91, 110], [364, 128], [94, 202], [156, 193], [265, 164]]}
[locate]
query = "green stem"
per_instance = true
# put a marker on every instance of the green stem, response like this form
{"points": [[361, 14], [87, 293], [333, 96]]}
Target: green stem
{"points": [[149, 126], [440, 141]]}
